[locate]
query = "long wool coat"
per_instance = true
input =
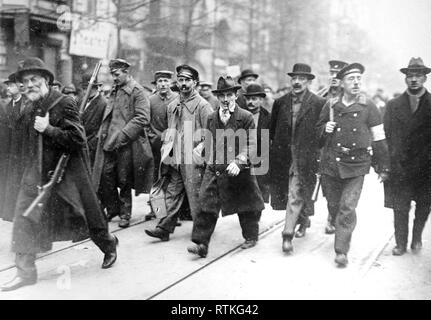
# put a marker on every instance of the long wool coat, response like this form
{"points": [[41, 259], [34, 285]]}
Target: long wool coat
{"points": [[305, 142], [409, 141], [191, 115], [73, 207], [4, 146], [219, 190], [135, 106], [16, 152]]}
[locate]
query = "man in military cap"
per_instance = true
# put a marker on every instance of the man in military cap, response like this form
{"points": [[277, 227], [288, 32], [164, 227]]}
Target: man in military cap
{"points": [[348, 140], [246, 78], [294, 152], [205, 92], [181, 161], [333, 91], [228, 184], [16, 149], [123, 158], [408, 131], [92, 114], [255, 97], [72, 210]]}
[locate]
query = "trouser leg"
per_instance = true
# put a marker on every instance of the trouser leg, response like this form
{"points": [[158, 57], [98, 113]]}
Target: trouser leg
{"points": [[108, 191], [249, 222], [294, 207], [26, 265], [332, 188], [203, 227], [421, 216], [174, 195], [346, 218], [103, 239], [401, 226], [125, 180]]}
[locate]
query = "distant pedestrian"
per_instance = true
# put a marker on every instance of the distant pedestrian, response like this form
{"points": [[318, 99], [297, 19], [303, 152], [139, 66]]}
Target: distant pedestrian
{"points": [[246, 78], [205, 92]]}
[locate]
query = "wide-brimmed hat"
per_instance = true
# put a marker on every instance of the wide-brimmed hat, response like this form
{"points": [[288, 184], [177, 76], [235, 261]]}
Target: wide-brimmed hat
{"points": [[416, 65], [187, 71], [226, 84], [33, 64], [336, 65], [205, 84], [255, 89], [85, 80], [247, 73], [301, 69], [350, 68]]}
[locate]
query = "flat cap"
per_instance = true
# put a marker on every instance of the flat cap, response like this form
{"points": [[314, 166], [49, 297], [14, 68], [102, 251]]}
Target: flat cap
{"points": [[351, 68], [187, 71], [116, 64]]}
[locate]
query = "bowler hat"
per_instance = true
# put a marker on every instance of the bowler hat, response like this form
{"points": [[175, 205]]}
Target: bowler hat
{"points": [[33, 64], [255, 89], [85, 80], [301, 69], [187, 71], [226, 84], [118, 63], [336, 65], [416, 65], [10, 78], [350, 68], [162, 74], [247, 73]]}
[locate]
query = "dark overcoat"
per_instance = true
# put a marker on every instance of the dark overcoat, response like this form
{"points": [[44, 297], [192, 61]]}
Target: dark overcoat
{"points": [[305, 141], [92, 120], [17, 152], [218, 190], [4, 146], [136, 108], [73, 207], [409, 141], [263, 144]]}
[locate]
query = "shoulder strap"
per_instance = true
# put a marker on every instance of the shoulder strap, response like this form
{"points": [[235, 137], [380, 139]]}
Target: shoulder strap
{"points": [[55, 103]]}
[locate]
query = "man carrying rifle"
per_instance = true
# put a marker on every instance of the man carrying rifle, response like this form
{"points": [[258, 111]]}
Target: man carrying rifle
{"points": [[72, 210], [355, 130]]}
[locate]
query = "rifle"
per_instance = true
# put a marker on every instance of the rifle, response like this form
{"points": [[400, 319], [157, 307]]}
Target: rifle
{"points": [[90, 85], [34, 211], [315, 194]]}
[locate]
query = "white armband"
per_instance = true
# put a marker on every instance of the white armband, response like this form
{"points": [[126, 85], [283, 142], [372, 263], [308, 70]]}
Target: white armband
{"points": [[378, 132]]}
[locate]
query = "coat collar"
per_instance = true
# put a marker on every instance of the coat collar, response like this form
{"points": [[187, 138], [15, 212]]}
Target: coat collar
{"points": [[305, 106], [192, 102], [402, 109]]}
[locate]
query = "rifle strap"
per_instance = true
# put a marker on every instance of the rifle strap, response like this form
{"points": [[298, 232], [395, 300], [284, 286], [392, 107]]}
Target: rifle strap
{"points": [[55, 103]]}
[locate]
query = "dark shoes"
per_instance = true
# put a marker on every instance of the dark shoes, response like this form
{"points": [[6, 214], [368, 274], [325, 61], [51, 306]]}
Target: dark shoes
{"points": [[248, 244], [110, 257], [416, 245], [330, 228], [398, 251], [150, 216], [287, 245], [124, 223], [199, 249], [17, 283], [158, 233], [109, 217], [341, 259]]}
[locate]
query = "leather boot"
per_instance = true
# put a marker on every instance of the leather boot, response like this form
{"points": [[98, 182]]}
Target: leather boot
{"points": [[302, 229], [287, 245], [110, 257], [17, 283], [158, 233], [199, 249]]}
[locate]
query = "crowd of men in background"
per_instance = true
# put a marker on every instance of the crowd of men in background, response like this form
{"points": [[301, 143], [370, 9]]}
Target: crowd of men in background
{"points": [[167, 139]]}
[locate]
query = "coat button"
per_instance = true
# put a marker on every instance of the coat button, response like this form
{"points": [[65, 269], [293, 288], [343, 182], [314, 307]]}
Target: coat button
{"points": [[340, 114], [230, 149], [337, 159], [353, 158], [217, 173], [353, 144], [338, 144], [355, 114], [354, 129], [338, 129]]}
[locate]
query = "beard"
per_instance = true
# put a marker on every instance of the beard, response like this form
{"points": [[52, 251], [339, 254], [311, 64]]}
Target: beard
{"points": [[34, 95]]}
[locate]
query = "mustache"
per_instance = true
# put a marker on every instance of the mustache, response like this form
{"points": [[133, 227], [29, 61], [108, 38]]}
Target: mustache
{"points": [[297, 86], [184, 87]]}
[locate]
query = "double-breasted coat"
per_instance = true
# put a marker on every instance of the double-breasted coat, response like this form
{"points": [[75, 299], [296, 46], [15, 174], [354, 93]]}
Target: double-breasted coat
{"points": [[16, 151], [73, 207], [263, 144], [409, 142], [233, 194], [136, 109], [305, 141]]}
